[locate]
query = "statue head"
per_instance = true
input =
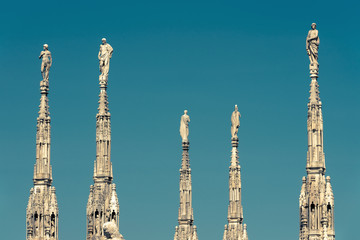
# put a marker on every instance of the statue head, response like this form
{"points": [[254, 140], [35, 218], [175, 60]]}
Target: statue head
{"points": [[185, 112], [236, 108], [103, 40], [313, 26], [46, 46]]}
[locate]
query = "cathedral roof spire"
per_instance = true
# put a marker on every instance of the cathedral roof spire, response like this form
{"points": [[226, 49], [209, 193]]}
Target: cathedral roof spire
{"points": [[103, 165], [42, 219], [316, 198], [316, 157], [186, 230], [42, 169], [103, 203], [235, 230]]}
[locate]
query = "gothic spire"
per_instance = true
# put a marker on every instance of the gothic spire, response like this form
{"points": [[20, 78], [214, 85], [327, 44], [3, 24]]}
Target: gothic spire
{"points": [[186, 230], [42, 209], [42, 169], [103, 165], [103, 204], [315, 156], [235, 230], [316, 203]]}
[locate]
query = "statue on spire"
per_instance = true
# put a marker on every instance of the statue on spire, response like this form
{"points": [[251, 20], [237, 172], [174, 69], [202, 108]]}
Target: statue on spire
{"points": [[104, 56], [184, 127], [46, 62], [312, 44], [235, 122]]}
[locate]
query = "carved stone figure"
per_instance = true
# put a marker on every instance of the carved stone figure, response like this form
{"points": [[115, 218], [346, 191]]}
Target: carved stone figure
{"points": [[111, 231], [97, 226], [46, 62], [312, 218], [312, 44], [235, 122], [329, 217], [104, 56], [52, 229], [184, 127]]}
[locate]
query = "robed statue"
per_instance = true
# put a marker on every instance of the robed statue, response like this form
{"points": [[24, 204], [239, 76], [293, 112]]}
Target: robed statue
{"points": [[46, 62], [104, 56], [235, 123], [312, 44], [184, 127]]}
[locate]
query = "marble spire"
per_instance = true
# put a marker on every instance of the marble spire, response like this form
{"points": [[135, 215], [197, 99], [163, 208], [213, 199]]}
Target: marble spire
{"points": [[235, 229], [186, 230], [103, 204], [42, 209], [316, 201]]}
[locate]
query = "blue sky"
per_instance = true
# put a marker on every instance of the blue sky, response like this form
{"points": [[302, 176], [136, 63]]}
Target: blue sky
{"points": [[203, 56]]}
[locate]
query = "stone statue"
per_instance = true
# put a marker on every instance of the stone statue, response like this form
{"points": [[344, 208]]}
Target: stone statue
{"points": [[329, 217], [312, 44], [312, 218], [97, 226], [46, 62], [184, 127], [111, 231], [52, 228], [104, 56], [235, 122]]}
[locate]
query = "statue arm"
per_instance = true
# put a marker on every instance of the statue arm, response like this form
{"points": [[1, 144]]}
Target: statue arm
{"points": [[99, 53], [307, 44], [50, 58], [110, 50], [41, 54]]}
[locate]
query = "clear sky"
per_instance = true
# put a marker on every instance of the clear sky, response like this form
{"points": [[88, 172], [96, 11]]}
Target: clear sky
{"points": [[203, 56]]}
